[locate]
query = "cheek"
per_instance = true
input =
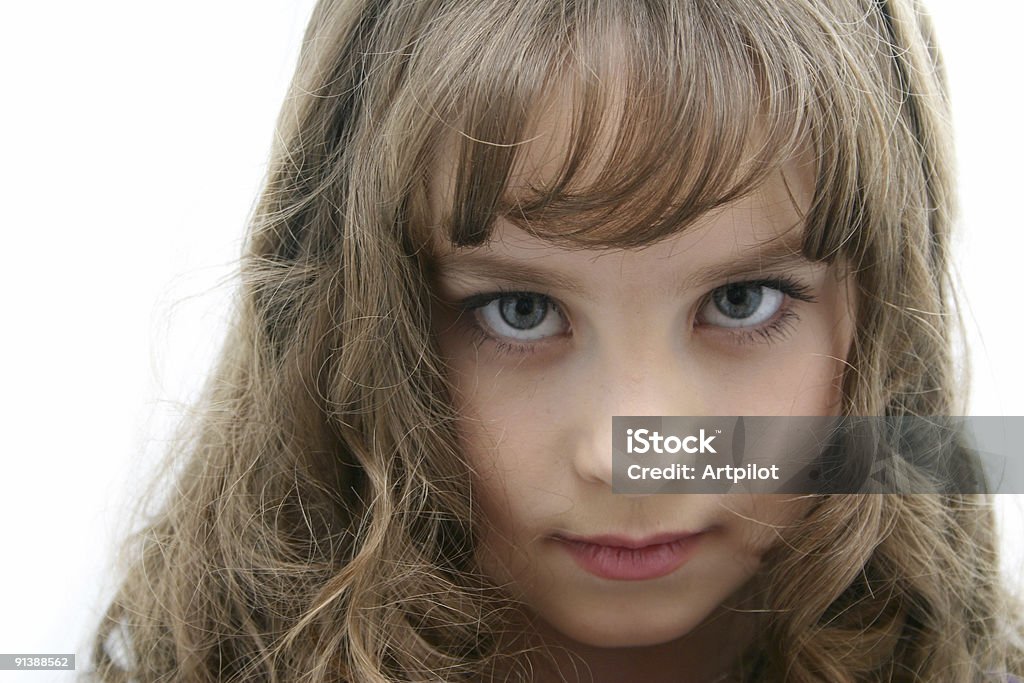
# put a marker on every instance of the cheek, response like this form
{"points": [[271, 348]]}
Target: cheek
{"points": [[506, 417], [504, 441], [517, 483], [510, 505], [793, 381]]}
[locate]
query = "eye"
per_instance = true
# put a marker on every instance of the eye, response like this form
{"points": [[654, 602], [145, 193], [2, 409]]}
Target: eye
{"points": [[741, 304], [521, 316]]}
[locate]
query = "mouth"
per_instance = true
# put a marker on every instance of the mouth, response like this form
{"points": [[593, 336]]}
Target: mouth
{"points": [[623, 558]]}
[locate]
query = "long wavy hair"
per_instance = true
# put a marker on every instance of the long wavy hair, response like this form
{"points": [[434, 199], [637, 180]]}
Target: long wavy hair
{"points": [[320, 523]]}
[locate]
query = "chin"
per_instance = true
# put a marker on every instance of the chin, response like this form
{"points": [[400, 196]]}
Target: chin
{"points": [[618, 630]]}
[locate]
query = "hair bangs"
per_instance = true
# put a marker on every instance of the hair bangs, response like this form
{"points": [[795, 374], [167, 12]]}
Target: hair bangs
{"points": [[622, 123]]}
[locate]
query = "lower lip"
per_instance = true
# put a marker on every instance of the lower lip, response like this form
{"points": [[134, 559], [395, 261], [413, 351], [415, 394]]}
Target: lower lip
{"points": [[632, 564]]}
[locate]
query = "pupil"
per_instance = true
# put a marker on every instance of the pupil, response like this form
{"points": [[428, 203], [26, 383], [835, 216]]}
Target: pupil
{"points": [[524, 306], [738, 301], [736, 294], [522, 312]]}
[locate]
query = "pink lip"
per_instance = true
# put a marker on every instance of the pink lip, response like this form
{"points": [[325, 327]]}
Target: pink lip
{"points": [[621, 558]]}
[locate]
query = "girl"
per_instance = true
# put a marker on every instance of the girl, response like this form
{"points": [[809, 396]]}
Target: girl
{"points": [[490, 226]]}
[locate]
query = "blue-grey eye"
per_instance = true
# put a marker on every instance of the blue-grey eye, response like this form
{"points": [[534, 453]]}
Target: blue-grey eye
{"points": [[522, 317], [742, 304], [523, 311]]}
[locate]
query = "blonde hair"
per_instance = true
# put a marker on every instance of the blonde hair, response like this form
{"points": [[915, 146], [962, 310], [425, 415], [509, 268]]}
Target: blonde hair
{"points": [[320, 527]]}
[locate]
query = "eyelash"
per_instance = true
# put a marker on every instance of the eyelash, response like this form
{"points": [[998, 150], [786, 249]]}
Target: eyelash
{"points": [[773, 332]]}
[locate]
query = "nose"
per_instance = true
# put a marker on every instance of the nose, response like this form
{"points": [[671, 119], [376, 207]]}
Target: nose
{"points": [[644, 383]]}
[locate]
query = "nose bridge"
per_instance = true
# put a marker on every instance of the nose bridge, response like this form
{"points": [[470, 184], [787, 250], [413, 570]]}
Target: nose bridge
{"points": [[650, 375], [646, 379]]}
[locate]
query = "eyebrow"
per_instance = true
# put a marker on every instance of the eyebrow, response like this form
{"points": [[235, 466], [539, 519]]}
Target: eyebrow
{"points": [[775, 254]]}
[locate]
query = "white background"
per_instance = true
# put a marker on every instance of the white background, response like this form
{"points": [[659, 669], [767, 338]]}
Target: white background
{"points": [[134, 139]]}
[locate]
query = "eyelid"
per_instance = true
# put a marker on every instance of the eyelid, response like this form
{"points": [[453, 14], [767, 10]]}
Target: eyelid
{"points": [[476, 301], [787, 285]]}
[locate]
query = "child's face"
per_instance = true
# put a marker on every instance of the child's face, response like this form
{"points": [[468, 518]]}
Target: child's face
{"points": [[714, 321]]}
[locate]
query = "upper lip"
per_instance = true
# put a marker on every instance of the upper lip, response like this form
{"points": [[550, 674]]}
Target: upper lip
{"points": [[624, 541]]}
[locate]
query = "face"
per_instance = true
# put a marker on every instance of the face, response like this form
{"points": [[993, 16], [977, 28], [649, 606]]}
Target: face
{"points": [[546, 344]]}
